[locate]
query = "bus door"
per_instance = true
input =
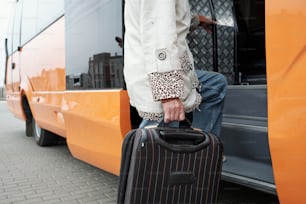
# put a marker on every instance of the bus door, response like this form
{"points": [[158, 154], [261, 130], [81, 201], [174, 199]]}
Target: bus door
{"points": [[236, 48], [13, 48], [16, 42]]}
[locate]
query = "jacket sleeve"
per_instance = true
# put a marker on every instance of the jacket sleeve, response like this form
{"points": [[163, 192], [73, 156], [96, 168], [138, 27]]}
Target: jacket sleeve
{"points": [[159, 35]]}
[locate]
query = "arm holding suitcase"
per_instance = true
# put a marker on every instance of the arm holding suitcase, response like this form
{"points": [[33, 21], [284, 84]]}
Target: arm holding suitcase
{"points": [[159, 70]]}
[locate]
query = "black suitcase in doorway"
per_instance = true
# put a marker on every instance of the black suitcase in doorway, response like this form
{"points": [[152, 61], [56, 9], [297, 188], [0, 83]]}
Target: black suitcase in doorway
{"points": [[169, 165]]}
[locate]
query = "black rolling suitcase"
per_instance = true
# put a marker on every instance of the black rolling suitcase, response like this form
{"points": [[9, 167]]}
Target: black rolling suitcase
{"points": [[169, 165]]}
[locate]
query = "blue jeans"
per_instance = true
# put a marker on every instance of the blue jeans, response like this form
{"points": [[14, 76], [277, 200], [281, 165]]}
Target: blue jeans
{"points": [[209, 116]]}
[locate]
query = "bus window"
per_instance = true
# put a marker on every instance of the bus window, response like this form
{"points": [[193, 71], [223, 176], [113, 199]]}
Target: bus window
{"points": [[37, 15], [16, 25], [94, 61], [10, 24], [48, 11]]}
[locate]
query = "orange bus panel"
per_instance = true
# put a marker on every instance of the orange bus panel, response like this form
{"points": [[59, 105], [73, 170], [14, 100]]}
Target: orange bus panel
{"points": [[286, 63], [96, 122]]}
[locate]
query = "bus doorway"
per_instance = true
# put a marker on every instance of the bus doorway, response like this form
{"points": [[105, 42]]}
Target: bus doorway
{"points": [[236, 48]]}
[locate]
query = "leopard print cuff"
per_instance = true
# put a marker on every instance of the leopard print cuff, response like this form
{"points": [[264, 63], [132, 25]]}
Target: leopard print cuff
{"points": [[151, 116], [160, 116], [167, 84]]}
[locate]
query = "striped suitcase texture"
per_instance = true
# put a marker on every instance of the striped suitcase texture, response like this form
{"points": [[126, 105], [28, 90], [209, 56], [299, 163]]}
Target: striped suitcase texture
{"points": [[169, 165]]}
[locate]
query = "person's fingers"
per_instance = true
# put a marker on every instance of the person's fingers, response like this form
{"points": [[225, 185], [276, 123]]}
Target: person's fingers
{"points": [[169, 112], [166, 116], [182, 116], [173, 111]]}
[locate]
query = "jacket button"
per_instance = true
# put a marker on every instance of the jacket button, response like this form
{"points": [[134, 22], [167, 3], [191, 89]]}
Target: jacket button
{"points": [[162, 55]]}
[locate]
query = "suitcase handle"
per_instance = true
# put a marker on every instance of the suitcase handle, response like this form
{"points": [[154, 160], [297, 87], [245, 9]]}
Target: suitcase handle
{"points": [[186, 123], [179, 139], [181, 135]]}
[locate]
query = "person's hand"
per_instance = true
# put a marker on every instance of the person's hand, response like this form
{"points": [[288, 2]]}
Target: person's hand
{"points": [[207, 23], [173, 110]]}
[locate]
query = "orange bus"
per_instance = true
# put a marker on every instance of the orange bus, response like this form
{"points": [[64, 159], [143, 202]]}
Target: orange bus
{"points": [[64, 78]]}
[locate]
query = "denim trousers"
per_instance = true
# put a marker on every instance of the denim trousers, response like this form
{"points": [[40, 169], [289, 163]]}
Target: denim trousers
{"points": [[208, 117]]}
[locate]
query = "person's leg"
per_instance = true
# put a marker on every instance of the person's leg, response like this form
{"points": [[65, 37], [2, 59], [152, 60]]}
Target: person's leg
{"points": [[213, 90]]}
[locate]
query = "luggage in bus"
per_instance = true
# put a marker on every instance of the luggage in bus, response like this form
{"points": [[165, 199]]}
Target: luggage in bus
{"points": [[170, 165]]}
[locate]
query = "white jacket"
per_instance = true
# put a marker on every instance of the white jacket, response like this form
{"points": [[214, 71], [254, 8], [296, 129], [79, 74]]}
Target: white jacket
{"points": [[157, 61]]}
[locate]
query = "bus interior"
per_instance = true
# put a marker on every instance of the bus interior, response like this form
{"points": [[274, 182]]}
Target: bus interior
{"points": [[236, 48]]}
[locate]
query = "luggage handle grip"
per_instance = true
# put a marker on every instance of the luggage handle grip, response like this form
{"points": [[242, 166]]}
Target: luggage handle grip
{"points": [[177, 139], [181, 134], [186, 123]]}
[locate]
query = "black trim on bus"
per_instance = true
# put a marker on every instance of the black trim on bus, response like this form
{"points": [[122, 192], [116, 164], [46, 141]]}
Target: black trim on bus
{"points": [[6, 59], [123, 32]]}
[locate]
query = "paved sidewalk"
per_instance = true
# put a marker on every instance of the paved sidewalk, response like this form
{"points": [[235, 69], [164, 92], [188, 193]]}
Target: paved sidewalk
{"points": [[30, 174]]}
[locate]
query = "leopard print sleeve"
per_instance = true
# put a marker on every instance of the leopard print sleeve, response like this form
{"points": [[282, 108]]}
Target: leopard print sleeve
{"points": [[167, 84]]}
